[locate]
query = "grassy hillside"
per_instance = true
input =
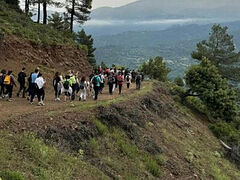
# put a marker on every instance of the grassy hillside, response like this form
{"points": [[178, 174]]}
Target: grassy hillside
{"points": [[16, 23], [25, 156]]}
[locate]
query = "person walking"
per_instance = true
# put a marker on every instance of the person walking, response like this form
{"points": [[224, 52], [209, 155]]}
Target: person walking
{"points": [[66, 88], [133, 74], [96, 85], [73, 84], [57, 85], [138, 81], [128, 80], [120, 80], [83, 89], [2, 77], [33, 87], [102, 82], [111, 81], [116, 82], [22, 80], [40, 82], [9, 82]]}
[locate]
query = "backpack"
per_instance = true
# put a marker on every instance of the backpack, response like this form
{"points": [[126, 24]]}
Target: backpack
{"points": [[128, 78], [82, 85], [111, 80], [7, 80], [21, 77], [66, 84], [94, 81], [138, 78]]}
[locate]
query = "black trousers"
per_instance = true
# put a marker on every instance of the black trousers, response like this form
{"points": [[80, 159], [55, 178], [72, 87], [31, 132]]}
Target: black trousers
{"points": [[2, 90], [32, 91], [96, 91], [9, 90], [101, 86], [22, 89], [110, 85], [40, 94], [57, 91], [138, 85], [74, 89], [120, 88]]}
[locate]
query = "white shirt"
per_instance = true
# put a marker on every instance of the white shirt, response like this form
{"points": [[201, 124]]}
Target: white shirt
{"points": [[40, 82]]}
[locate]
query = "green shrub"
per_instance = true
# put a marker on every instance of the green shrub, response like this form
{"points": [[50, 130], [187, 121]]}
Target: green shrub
{"points": [[161, 160], [179, 81], [205, 82], [196, 104], [155, 68], [226, 132], [10, 175], [177, 91]]}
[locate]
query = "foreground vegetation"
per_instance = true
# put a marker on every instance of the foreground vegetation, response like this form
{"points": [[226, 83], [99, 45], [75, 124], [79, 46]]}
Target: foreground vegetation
{"points": [[26, 157]]}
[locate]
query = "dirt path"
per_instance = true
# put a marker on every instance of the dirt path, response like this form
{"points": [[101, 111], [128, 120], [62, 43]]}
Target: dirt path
{"points": [[21, 107]]}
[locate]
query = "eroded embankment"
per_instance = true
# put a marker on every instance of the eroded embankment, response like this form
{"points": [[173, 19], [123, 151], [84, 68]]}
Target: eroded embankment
{"points": [[17, 53]]}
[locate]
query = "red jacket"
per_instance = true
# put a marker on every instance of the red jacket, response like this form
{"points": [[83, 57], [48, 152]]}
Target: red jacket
{"points": [[120, 79]]}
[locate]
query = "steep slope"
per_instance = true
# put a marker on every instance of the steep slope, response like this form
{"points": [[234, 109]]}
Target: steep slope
{"points": [[140, 135]]}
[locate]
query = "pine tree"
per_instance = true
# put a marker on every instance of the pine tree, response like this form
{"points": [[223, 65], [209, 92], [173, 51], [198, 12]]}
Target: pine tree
{"points": [[27, 4], [87, 40], [219, 48], [205, 82], [155, 68], [58, 22], [79, 10]]}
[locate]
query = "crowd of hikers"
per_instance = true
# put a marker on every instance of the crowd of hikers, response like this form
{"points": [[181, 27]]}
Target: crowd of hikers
{"points": [[68, 86]]}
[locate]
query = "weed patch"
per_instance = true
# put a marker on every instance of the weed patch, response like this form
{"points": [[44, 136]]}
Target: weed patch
{"points": [[152, 166], [11, 175], [102, 129]]}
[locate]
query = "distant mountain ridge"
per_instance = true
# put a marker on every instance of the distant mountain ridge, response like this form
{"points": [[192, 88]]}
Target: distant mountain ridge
{"points": [[175, 44], [159, 9]]}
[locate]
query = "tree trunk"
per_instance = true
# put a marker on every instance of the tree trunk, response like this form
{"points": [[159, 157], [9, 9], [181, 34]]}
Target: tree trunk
{"points": [[44, 12], [39, 12], [72, 15], [26, 7]]}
